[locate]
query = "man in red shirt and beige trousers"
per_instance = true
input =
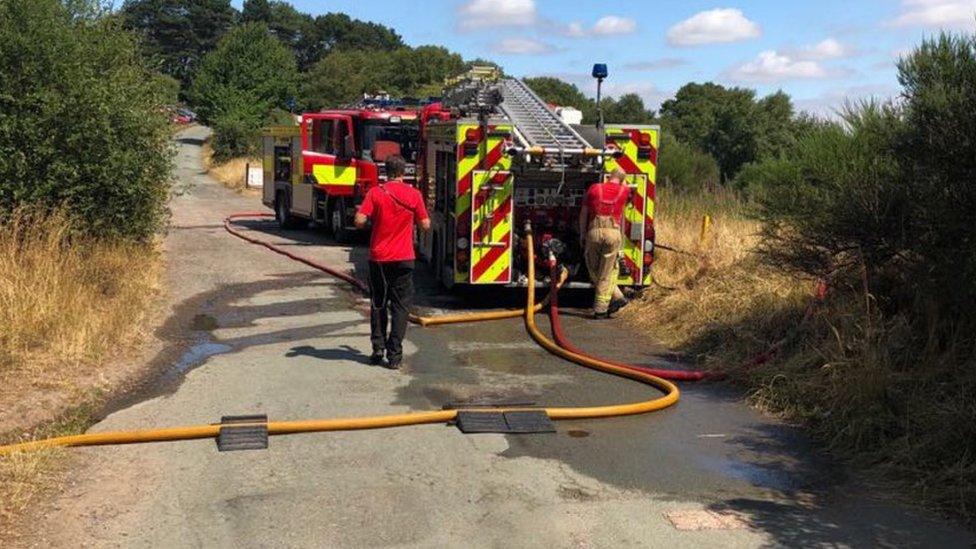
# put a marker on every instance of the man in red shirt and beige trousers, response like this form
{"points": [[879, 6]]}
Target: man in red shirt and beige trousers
{"points": [[600, 221], [393, 207]]}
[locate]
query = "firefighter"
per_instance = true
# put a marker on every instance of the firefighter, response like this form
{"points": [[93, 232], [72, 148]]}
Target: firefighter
{"points": [[600, 224], [394, 207]]}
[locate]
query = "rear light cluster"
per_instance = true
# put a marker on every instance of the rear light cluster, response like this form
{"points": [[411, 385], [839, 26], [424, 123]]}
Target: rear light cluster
{"points": [[649, 250], [644, 146], [472, 136]]}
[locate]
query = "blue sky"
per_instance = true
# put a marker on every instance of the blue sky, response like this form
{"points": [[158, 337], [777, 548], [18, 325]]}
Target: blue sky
{"points": [[820, 52]]}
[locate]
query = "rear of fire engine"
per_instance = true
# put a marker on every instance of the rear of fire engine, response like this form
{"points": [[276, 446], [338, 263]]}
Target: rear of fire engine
{"points": [[321, 169], [496, 157]]}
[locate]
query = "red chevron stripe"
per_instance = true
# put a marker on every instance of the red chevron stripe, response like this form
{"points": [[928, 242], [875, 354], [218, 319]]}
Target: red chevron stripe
{"points": [[504, 276], [489, 259], [627, 164]]}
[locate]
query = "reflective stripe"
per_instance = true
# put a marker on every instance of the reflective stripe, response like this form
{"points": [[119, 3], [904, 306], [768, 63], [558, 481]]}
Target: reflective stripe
{"points": [[639, 212], [334, 174]]}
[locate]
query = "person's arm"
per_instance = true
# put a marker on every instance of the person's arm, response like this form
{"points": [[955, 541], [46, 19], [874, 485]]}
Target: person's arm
{"points": [[420, 213], [584, 217], [365, 210]]}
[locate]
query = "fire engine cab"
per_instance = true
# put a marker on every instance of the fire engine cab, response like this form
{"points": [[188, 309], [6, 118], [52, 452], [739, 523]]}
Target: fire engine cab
{"points": [[321, 169]]}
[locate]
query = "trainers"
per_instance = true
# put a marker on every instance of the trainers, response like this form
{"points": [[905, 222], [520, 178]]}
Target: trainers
{"points": [[601, 316], [376, 358], [394, 364]]}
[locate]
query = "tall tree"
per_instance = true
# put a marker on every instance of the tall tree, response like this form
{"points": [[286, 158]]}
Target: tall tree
{"points": [[337, 31], [729, 123], [628, 108], [248, 75], [178, 33]]}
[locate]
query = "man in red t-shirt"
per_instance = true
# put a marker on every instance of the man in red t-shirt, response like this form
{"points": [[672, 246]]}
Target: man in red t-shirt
{"points": [[393, 207], [599, 224]]}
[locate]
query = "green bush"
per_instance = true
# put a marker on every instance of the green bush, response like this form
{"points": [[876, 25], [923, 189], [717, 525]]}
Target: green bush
{"points": [[939, 91], [839, 203], [82, 121], [684, 167], [233, 137]]}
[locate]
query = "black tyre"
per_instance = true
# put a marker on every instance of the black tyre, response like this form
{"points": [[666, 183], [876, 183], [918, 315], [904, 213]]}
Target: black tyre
{"points": [[337, 222], [283, 215]]}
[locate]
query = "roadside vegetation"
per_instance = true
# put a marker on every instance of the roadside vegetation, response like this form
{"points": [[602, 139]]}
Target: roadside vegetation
{"points": [[877, 207], [85, 158]]}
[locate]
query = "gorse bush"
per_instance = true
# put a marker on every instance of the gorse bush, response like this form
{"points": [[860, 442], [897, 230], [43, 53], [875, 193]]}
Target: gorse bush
{"points": [[81, 121]]}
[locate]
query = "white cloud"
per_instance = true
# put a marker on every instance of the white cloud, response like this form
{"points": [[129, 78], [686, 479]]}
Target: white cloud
{"points": [[936, 13], [497, 13], [827, 49], [772, 66], [656, 64], [614, 25], [609, 25], [521, 46], [575, 30], [716, 26]]}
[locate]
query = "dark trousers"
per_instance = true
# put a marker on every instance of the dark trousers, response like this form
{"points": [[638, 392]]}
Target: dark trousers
{"points": [[391, 295]]}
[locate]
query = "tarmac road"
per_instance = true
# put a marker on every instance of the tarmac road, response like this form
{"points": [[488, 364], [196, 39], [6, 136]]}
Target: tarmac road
{"points": [[252, 332]]}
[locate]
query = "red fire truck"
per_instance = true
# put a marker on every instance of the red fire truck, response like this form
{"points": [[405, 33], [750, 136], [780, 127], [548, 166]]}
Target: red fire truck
{"points": [[321, 169], [495, 156]]}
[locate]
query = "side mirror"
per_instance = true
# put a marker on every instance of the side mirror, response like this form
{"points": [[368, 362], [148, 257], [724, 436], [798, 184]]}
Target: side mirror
{"points": [[348, 147]]}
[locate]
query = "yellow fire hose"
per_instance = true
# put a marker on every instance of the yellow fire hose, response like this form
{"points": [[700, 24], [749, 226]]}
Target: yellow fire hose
{"points": [[671, 395]]}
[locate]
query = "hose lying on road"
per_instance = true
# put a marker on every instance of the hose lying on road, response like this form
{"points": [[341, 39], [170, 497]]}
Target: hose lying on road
{"points": [[346, 277], [560, 337], [670, 397]]}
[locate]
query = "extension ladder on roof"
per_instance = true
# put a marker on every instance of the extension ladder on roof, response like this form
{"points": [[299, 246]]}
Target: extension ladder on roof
{"points": [[534, 121]]}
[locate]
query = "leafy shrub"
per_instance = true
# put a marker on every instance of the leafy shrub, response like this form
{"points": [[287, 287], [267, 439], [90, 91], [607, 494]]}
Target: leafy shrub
{"points": [[82, 124], [682, 166]]}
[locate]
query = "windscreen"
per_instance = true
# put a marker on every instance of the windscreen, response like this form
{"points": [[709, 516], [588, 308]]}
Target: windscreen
{"points": [[382, 138]]}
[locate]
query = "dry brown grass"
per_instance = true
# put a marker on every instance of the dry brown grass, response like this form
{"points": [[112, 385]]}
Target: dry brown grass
{"points": [[69, 307], [716, 280], [231, 173]]}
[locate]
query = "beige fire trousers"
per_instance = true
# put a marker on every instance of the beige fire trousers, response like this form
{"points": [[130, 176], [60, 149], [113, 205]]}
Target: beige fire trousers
{"points": [[601, 250]]}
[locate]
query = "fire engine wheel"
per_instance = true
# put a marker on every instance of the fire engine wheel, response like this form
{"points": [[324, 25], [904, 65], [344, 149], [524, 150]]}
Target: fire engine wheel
{"points": [[337, 222], [282, 212]]}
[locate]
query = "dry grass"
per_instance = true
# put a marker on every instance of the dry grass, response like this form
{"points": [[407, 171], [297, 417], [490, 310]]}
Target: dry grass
{"points": [[69, 307], [716, 280], [231, 173]]}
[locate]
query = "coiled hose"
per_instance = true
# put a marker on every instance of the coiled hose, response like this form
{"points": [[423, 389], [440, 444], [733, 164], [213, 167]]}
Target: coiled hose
{"points": [[670, 397]]}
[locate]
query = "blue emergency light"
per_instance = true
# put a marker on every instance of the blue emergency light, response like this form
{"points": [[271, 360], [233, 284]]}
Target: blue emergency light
{"points": [[600, 70]]}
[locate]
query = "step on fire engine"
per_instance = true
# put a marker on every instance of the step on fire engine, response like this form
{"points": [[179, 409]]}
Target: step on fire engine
{"points": [[494, 156], [321, 169]]}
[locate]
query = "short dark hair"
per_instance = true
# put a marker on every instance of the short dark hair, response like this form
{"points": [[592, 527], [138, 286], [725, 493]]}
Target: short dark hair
{"points": [[395, 166]]}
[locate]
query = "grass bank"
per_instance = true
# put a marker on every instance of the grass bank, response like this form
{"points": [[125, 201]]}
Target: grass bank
{"points": [[230, 173], [872, 386], [71, 308]]}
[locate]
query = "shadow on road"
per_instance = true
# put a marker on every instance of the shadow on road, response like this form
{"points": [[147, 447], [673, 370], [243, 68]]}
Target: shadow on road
{"points": [[343, 352]]}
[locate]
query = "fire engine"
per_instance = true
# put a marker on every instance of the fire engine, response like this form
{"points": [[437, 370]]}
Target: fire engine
{"points": [[321, 169], [494, 156]]}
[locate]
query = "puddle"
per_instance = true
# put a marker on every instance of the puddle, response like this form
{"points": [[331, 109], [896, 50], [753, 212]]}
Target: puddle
{"points": [[578, 433], [765, 476], [203, 323], [197, 354]]}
